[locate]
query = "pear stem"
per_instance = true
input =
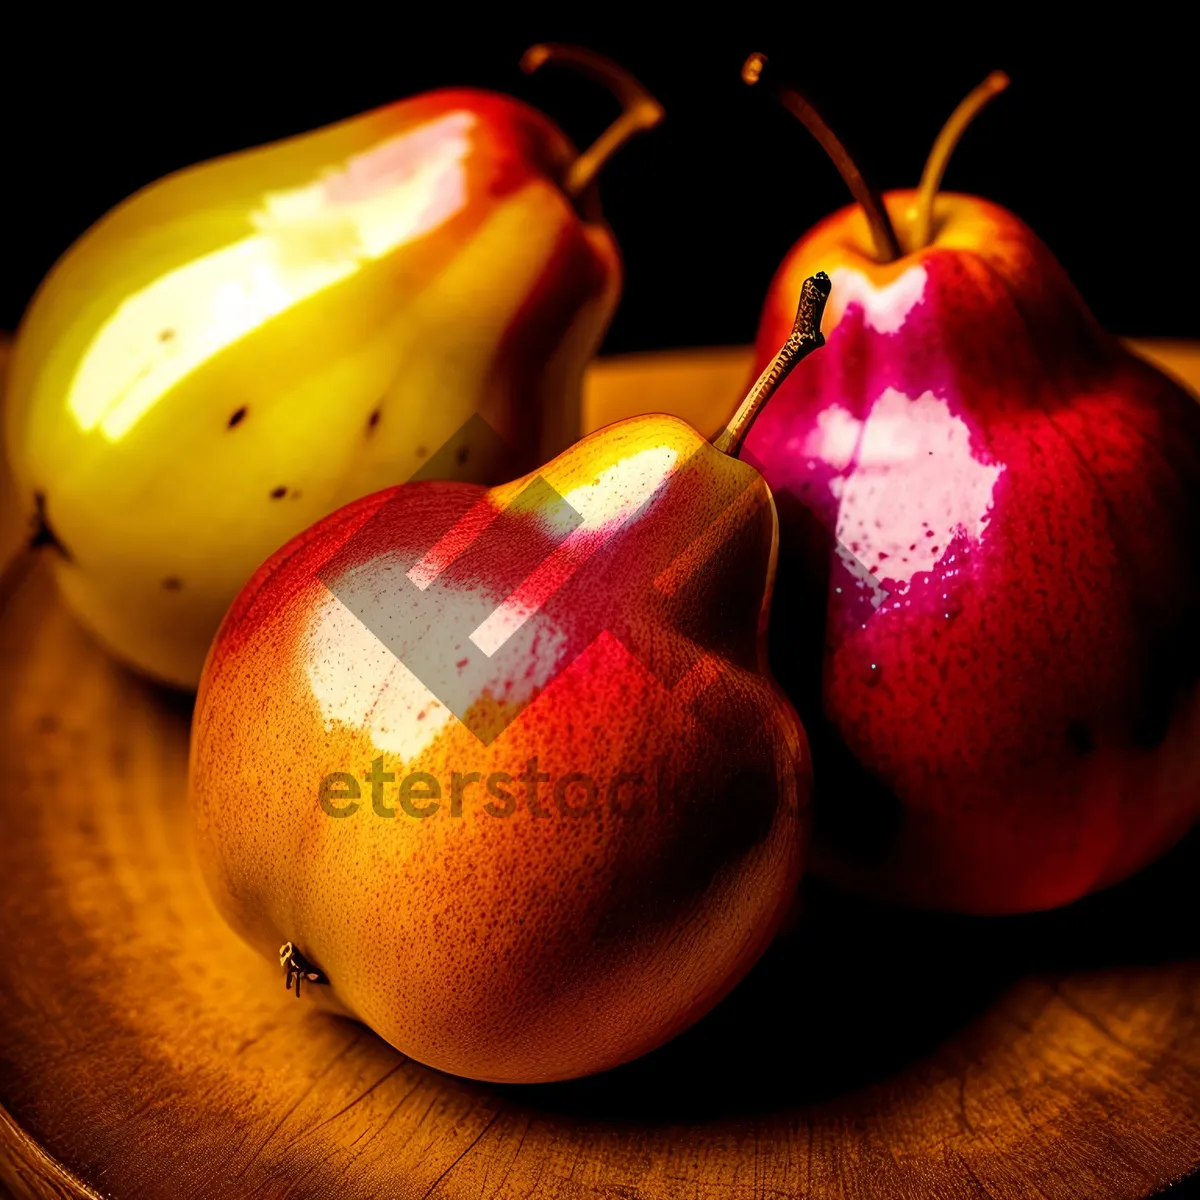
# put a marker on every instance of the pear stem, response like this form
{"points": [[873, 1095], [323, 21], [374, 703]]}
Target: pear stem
{"points": [[943, 148], [639, 109], [805, 337], [883, 234]]}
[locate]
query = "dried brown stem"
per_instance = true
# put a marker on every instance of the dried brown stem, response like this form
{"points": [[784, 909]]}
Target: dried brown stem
{"points": [[805, 337], [639, 109]]}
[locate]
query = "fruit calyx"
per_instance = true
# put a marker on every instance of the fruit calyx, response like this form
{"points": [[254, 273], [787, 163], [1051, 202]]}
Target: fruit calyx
{"points": [[296, 967], [43, 534], [640, 111], [883, 232], [805, 337]]}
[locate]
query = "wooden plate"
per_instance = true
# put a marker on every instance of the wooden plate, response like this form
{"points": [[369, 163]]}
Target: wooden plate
{"points": [[144, 1052]]}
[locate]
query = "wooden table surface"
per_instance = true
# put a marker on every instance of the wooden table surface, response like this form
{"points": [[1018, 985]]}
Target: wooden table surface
{"points": [[145, 1052]]}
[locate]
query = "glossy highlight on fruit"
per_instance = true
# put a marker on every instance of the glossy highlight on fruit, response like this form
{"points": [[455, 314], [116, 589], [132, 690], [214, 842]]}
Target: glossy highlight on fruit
{"points": [[506, 766], [248, 344], [993, 511]]}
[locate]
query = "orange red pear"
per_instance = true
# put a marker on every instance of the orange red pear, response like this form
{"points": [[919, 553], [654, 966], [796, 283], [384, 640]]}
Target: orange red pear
{"points": [[505, 769]]}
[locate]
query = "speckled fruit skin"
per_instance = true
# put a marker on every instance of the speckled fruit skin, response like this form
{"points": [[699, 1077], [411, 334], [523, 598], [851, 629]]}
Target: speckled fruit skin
{"points": [[1016, 724], [517, 947], [401, 271]]}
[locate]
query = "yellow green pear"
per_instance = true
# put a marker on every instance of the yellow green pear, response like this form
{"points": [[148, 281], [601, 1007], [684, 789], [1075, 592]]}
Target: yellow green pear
{"points": [[244, 346]]}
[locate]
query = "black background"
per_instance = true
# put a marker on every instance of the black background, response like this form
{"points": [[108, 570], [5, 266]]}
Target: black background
{"points": [[1093, 144]]}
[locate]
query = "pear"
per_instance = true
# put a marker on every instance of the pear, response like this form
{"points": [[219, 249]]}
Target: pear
{"points": [[989, 515], [504, 771], [247, 345]]}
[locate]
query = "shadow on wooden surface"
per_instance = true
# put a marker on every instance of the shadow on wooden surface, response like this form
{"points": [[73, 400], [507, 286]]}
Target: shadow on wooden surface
{"points": [[858, 992]]}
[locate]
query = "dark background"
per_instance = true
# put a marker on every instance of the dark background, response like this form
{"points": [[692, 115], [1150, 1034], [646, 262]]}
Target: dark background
{"points": [[1093, 144]]}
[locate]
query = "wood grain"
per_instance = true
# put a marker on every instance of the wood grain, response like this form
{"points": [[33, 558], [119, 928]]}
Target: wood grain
{"points": [[144, 1052], [701, 386]]}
